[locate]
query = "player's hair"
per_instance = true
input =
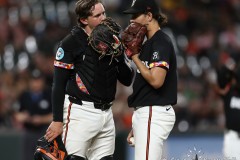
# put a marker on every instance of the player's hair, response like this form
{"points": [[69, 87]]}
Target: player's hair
{"points": [[161, 18], [84, 9]]}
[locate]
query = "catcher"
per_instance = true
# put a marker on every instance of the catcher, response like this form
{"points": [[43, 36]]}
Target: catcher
{"points": [[88, 64]]}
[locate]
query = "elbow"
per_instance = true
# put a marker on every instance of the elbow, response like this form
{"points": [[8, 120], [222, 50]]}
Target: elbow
{"points": [[156, 85], [157, 82]]}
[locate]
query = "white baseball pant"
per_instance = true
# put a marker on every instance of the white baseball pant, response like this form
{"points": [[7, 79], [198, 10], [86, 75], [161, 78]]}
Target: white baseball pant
{"points": [[88, 132], [231, 143], [151, 126]]}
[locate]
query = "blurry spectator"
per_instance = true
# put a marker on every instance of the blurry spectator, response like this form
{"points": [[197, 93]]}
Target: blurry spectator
{"points": [[5, 122], [34, 113], [229, 89], [8, 94]]}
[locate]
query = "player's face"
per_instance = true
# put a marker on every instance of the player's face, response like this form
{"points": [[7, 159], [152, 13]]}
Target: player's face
{"points": [[98, 14], [139, 18]]}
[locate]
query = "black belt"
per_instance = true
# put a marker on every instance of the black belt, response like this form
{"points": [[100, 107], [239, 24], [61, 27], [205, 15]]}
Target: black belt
{"points": [[102, 106]]}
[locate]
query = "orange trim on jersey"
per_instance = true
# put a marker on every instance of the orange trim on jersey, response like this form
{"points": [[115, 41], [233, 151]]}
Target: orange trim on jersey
{"points": [[159, 64], [68, 121], [149, 132], [80, 84], [63, 65]]}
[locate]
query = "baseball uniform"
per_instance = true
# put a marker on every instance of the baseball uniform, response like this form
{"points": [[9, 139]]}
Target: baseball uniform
{"points": [[83, 91], [154, 117]]}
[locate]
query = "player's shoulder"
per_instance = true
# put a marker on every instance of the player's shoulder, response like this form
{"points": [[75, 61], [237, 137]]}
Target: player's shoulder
{"points": [[163, 36], [76, 39], [68, 41]]}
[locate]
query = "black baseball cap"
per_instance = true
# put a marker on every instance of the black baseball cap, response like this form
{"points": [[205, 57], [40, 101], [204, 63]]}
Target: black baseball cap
{"points": [[142, 6]]}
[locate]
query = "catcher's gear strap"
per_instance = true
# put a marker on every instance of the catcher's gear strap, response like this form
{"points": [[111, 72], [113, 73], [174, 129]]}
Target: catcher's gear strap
{"points": [[54, 150]]}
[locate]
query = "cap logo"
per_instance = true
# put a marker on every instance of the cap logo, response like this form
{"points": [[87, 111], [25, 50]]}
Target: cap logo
{"points": [[133, 3]]}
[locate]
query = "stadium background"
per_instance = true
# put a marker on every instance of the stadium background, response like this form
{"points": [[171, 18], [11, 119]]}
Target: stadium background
{"points": [[206, 34]]}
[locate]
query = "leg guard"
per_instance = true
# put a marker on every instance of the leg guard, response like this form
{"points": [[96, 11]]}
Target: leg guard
{"points": [[107, 158], [72, 157]]}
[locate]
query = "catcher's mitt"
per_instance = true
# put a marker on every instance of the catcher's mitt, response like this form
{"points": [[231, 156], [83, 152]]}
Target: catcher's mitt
{"points": [[132, 38], [105, 40], [54, 150]]}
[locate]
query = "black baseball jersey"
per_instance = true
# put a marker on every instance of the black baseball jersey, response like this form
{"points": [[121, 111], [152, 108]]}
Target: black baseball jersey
{"points": [[81, 74], [156, 52], [232, 109]]}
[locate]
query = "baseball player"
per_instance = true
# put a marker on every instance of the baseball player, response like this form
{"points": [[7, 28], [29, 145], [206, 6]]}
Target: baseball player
{"points": [[84, 86], [155, 84], [229, 89]]}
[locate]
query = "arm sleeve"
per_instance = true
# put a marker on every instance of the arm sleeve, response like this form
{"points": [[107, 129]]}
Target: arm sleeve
{"points": [[63, 67], [125, 73], [60, 79], [161, 54]]}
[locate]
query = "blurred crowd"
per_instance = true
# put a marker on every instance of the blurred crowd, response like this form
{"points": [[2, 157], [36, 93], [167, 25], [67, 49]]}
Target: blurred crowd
{"points": [[206, 34]]}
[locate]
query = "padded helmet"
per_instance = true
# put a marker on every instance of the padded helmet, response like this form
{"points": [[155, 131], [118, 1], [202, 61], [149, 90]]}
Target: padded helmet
{"points": [[54, 150]]}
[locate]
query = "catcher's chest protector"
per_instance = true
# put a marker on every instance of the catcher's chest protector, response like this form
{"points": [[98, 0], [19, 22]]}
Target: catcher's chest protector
{"points": [[98, 76]]}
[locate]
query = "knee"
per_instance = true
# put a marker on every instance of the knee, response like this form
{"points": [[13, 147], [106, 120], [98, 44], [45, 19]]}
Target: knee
{"points": [[72, 157], [107, 158]]}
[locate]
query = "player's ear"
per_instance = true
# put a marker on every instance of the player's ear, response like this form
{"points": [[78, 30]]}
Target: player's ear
{"points": [[84, 21], [149, 16]]}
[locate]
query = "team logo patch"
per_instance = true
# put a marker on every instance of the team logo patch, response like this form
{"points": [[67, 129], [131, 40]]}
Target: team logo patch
{"points": [[80, 84], [155, 56], [59, 54]]}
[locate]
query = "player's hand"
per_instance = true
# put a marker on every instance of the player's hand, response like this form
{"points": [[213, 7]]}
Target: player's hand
{"points": [[130, 139], [54, 129]]}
